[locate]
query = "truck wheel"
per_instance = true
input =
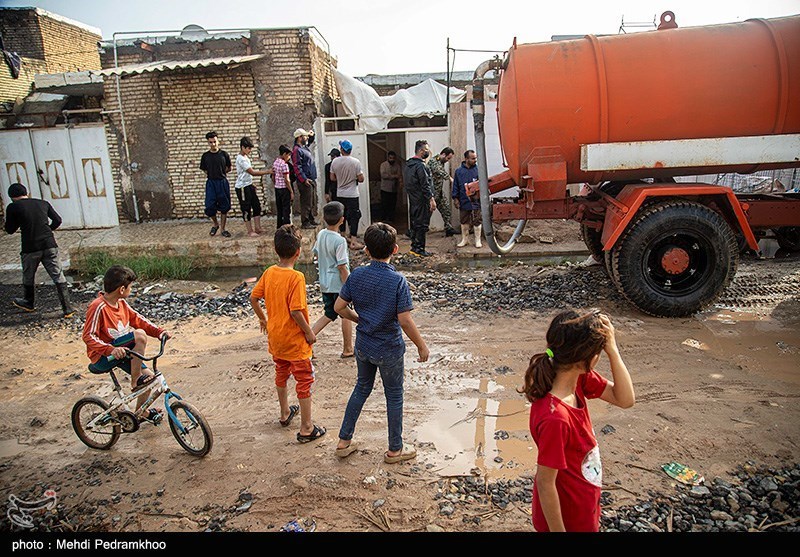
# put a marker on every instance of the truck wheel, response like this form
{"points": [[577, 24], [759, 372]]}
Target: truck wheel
{"points": [[591, 237], [675, 258], [788, 237]]}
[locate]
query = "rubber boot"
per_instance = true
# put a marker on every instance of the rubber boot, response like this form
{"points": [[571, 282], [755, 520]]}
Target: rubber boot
{"points": [[464, 234], [63, 295], [26, 303], [478, 236]]}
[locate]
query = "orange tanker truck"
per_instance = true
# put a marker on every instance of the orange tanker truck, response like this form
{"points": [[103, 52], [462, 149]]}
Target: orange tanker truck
{"points": [[624, 115]]}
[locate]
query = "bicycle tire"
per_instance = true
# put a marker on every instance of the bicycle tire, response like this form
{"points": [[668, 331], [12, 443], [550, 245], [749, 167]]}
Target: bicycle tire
{"points": [[189, 416], [112, 431]]}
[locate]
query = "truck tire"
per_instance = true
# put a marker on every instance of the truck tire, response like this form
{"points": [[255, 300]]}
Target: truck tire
{"points": [[788, 237], [591, 237], [675, 258]]}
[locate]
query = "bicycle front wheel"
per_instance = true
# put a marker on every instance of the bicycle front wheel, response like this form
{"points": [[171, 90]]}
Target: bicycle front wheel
{"points": [[104, 433], [190, 428]]}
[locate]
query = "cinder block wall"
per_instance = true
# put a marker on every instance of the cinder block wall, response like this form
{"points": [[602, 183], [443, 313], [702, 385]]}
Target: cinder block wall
{"points": [[46, 45]]}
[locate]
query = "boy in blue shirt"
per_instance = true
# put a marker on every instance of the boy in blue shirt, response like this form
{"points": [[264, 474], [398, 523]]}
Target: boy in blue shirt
{"points": [[333, 264], [382, 310]]}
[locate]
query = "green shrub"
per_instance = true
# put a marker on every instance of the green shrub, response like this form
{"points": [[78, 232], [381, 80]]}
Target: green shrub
{"points": [[146, 267]]}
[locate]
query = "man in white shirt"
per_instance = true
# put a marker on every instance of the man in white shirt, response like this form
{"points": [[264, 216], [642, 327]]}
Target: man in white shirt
{"points": [[347, 172]]}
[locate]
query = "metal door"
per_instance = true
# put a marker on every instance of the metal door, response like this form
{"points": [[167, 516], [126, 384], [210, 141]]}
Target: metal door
{"points": [[437, 140], [17, 164], [94, 183], [56, 170], [359, 141]]}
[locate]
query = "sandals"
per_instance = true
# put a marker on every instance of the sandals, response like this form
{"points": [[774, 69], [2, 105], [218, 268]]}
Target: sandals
{"points": [[293, 410], [345, 356], [407, 453], [154, 416], [226, 234], [213, 231], [348, 450], [314, 435], [144, 380]]}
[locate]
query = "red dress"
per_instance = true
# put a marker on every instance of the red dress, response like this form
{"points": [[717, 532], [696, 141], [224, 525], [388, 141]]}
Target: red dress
{"points": [[566, 442]]}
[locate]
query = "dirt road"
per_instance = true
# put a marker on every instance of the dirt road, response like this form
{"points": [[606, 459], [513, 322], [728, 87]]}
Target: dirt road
{"points": [[713, 391]]}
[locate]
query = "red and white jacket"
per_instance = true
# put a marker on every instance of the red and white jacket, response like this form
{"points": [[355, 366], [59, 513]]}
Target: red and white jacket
{"points": [[105, 323]]}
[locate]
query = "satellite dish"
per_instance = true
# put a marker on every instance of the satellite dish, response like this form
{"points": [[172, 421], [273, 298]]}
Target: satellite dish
{"points": [[194, 33]]}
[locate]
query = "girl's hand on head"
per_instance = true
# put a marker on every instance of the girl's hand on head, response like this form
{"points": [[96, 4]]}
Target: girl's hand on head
{"points": [[608, 328]]}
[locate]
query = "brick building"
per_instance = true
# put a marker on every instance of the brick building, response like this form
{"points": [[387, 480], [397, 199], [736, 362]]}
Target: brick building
{"points": [[263, 83], [46, 43]]}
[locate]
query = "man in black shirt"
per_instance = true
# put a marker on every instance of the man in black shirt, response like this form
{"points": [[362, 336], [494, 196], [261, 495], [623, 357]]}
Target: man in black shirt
{"points": [[36, 219], [216, 163]]}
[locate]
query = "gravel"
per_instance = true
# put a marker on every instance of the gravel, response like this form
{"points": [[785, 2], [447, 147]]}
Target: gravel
{"points": [[754, 498]]}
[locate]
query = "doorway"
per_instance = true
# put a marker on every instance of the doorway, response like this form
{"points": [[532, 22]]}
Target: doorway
{"points": [[378, 147]]}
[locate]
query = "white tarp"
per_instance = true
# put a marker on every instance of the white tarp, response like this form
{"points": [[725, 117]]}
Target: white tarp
{"points": [[424, 99]]}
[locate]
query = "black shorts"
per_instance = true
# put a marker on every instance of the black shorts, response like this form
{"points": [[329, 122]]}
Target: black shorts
{"points": [[328, 300], [218, 197], [248, 201]]}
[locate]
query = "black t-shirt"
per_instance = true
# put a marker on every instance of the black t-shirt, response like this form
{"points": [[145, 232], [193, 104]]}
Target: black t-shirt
{"points": [[36, 219], [216, 164]]}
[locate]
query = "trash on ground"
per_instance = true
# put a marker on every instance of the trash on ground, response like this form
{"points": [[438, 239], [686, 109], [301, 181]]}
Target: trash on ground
{"points": [[683, 473]]}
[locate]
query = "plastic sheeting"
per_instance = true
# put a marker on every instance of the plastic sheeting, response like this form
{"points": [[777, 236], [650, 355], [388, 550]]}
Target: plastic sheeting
{"points": [[374, 112]]}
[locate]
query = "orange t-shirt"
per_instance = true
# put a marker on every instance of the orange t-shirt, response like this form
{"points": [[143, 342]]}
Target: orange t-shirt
{"points": [[105, 323], [283, 291]]}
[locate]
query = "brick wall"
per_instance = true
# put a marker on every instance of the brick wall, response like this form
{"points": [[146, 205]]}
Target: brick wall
{"points": [[167, 115], [194, 103], [46, 45]]}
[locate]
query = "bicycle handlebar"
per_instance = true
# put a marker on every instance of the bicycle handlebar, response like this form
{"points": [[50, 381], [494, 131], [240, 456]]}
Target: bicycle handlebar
{"points": [[130, 352]]}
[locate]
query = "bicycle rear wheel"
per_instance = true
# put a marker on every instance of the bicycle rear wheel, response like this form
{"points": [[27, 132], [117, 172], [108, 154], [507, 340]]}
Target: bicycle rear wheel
{"points": [[103, 434], [195, 436]]}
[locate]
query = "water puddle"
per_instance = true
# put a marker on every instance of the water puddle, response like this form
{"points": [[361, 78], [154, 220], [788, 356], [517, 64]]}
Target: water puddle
{"points": [[770, 346], [485, 435]]}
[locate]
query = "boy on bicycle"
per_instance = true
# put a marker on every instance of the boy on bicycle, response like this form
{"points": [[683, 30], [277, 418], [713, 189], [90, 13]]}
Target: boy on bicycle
{"points": [[112, 328]]}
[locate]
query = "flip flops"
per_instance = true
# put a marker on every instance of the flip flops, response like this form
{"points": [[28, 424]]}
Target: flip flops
{"points": [[144, 380], [344, 356], [226, 234], [293, 410], [407, 453], [213, 231], [154, 416], [348, 450], [315, 434]]}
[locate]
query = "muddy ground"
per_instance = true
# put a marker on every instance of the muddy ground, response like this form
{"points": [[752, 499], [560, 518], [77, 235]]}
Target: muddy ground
{"points": [[714, 391]]}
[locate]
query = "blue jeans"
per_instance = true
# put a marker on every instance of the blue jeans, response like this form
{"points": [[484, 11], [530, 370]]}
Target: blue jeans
{"points": [[392, 377]]}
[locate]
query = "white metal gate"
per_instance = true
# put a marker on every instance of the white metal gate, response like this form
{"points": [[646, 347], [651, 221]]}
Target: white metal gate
{"points": [[69, 167], [359, 140]]}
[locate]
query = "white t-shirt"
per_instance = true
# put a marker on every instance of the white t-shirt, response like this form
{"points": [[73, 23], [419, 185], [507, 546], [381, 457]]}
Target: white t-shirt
{"points": [[346, 169], [243, 178]]}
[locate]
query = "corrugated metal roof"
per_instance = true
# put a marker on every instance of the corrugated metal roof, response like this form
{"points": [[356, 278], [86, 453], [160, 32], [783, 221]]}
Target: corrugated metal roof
{"points": [[167, 65]]}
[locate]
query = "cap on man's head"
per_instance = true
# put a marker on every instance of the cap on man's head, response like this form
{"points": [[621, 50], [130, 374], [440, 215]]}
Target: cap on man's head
{"points": [[300, 131], [335, 153], [17, 190], [346, 146]]}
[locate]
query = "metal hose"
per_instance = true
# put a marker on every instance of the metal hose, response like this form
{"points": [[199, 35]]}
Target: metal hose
{"points": [[478, 115]]}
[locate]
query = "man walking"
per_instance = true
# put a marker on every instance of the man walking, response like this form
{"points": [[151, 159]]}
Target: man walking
{"points": [[421, 197], [216, 163], [36, 219], [305, 170], [391, 178], [347, 172], [469, 208], [442, 184]]}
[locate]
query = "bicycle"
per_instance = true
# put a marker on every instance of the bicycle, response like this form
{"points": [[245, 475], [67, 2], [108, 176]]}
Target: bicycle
{"points": [[99, 423]]}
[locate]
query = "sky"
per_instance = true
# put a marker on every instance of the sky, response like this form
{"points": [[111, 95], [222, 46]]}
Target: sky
{"points": [[395, 37]]}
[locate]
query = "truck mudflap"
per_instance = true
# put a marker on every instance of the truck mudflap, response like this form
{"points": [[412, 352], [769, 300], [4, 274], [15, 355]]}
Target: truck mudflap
{"points": [[622, 209]]}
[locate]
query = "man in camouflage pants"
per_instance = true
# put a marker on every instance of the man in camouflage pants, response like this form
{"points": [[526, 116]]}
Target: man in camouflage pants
{"points": [[442, 182]]}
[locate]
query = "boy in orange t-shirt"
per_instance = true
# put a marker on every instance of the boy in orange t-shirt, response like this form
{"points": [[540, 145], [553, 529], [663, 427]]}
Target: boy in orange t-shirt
{"points": [[289, 334], [112, 327]]}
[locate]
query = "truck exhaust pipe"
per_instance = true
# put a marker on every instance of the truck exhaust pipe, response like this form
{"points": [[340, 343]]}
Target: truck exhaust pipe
{"points": [[478, 117]]}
